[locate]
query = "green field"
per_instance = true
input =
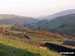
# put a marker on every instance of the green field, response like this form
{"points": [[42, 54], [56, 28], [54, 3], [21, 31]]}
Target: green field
{"points": [[41, 38], [49, 40], [14, 48]]}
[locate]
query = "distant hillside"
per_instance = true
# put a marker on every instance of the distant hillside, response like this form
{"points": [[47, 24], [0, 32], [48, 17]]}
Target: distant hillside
{"points": [[62, 13], [15, 19], [63, 24]]}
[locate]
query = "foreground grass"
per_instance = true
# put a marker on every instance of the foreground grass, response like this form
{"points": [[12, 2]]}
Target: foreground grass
{"points": [[14, 48]]}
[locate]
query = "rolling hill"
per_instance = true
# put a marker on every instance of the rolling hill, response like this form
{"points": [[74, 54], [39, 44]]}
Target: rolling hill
{"points": [[14, 42], [63, 24], [62, 13], [15, 19], [14, 48]]}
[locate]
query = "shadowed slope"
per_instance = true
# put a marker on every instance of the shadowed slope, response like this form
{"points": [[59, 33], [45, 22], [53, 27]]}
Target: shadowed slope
{"points": [[12, 51]]}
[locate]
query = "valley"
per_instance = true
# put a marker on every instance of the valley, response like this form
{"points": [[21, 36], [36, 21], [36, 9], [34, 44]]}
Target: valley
{"points": [[28, 36]]}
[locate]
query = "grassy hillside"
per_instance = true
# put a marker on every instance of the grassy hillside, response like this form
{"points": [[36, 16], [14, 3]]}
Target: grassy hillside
{"points": [[14, 42], [14, 48], [62, 24]]}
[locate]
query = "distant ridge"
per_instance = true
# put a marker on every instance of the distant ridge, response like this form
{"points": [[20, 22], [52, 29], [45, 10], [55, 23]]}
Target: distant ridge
{"points": [[15, 19], [62, 13]]}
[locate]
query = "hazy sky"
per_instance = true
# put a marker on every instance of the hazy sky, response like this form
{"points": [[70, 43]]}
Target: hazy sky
{"points": [[35, 8]]}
